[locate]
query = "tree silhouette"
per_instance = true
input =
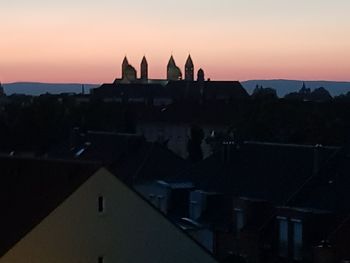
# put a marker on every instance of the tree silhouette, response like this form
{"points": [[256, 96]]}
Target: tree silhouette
{"points": [[194, 145]]}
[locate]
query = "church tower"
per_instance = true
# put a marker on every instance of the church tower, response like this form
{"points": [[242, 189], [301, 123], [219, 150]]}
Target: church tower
{"points": [[125, 65], [173, 71], [144, 69], [200, 75], [189, 71], [201, 83], [129, 73]]}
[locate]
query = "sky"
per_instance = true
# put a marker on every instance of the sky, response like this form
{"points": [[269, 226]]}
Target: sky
{"points": [[84, 41]]}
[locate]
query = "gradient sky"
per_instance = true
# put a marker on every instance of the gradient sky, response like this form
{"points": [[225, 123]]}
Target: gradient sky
{"points": [[85, 40]]}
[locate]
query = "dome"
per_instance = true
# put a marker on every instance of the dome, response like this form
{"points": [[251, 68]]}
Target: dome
{"points": [[130, 73], [200, 75], [173, 71]]}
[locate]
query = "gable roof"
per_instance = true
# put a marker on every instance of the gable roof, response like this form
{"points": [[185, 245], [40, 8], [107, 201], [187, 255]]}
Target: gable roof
{"points": [[30, 189], [151, 162], [130, 155], [33, 188], [272, 172], [98, 146], [232, 88], [329, 189]]}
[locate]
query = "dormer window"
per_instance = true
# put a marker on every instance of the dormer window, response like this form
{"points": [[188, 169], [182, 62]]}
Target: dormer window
{"points": [[283, 236], [239, 216], [290, 238], [297, 239]]}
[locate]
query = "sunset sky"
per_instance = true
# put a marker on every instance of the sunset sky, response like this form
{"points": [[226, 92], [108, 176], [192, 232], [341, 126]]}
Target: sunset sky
{"points": [[86, 40]]}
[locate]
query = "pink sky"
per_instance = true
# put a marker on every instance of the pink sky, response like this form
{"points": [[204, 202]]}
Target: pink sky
{"points": [[75, 41]]}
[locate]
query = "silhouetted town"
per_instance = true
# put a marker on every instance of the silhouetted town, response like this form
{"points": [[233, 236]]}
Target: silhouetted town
{"points": [[180, 169]]}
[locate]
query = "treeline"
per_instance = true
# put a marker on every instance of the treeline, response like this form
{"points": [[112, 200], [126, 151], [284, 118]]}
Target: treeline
{"points": [[304, 94], [39, 123]]}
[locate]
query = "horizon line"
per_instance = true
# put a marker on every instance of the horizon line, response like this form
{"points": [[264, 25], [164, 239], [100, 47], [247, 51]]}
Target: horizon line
{"points": [[245, 80]]}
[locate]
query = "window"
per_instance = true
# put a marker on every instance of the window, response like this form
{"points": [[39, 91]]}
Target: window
{"points": [[239, 219], [297, 239], [283, 236], [100, 260], [101, 204]]}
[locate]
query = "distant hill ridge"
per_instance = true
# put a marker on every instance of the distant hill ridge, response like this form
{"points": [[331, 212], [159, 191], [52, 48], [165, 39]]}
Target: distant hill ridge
{"points": [[282, 87], [38, 88]]}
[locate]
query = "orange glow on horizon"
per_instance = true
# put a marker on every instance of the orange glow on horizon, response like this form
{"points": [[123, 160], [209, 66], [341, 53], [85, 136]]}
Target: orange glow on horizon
{"points": [[75, 41]]}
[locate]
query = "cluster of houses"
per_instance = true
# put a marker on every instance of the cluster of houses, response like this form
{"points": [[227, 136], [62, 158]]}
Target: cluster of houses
{"points": [[112, 197], [263, 202], [109, 197], [78, 210], [156, 94]]}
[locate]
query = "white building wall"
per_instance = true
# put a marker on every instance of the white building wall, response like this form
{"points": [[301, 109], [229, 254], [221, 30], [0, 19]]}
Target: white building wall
{"points": [[176, 134]]}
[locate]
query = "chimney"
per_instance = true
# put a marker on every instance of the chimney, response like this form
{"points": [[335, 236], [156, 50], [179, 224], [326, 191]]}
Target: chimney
{"points": [[227, 150], [75, 137], [229, 145]]}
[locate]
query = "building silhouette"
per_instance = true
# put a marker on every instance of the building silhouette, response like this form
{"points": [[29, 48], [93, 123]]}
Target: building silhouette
{"points": [[144, 69], [200, 75], [173, 72], [129, 73], [189, 70], [133, 89], [72, 207]]}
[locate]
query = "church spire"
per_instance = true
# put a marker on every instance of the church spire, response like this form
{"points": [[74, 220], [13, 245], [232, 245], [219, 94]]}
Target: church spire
{"points": [[173, 71], [125, 61], [189, 71], [189, 61], [125, 65], [171, 62], [144, 69]]}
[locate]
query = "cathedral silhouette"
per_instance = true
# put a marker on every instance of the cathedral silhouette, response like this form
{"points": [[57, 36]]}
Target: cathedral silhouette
{"points": [[131, 88], [129, 73]]}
